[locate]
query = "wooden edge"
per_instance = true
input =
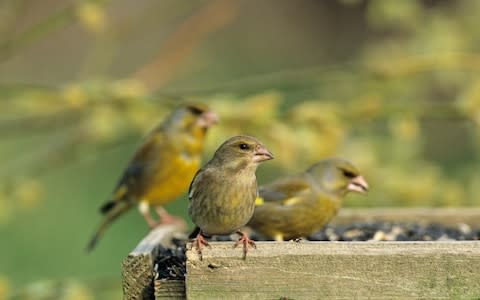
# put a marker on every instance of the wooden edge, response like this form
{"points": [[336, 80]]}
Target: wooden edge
{"points": [[340, 270], [445, 216], [303, 247], [138, 266]]}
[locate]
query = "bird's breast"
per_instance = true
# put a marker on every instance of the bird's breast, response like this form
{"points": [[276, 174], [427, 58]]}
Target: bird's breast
{"points": [[227, 209], [167, 185]]}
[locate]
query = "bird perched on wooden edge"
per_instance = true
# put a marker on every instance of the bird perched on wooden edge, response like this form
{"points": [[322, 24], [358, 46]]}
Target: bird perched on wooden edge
{"points": [[161, 168], [300, 205], [223, 192]]}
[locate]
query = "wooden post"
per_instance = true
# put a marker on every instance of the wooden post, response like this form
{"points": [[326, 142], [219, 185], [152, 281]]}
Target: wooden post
{"points": [[138, 266]]}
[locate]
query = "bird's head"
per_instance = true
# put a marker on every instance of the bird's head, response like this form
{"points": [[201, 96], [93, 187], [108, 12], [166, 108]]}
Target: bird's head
{"points": [[191, 118], [338, 176], [242, 151]]}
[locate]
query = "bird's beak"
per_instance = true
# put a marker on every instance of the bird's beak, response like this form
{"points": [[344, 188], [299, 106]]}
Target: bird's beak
{"points": [[208, 119], [262, 154], [358, 185]]}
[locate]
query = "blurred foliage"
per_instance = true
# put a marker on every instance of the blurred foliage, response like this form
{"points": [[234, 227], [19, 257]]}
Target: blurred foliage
{"points": [[393, 86]]}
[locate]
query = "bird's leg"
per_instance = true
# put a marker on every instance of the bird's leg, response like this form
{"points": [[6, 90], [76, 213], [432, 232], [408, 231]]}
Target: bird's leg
{"points": [[246, 242], [166, 218], [144, 209], [199, 243]]}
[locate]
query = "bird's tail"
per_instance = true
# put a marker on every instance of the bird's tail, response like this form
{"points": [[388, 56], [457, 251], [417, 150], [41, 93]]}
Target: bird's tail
{"points": [[115, 209]]}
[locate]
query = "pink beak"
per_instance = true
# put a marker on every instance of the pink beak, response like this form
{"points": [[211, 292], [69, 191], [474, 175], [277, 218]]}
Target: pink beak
{"points": [[358, 185], [208, 119], [262, 154]]}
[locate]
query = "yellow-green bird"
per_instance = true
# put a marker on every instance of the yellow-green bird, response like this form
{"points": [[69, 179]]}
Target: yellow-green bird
{"points": [[161, 168], [300, 205], [223, 192]]}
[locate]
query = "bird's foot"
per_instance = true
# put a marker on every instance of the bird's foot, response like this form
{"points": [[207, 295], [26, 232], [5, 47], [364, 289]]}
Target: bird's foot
{"points": [[150, 221], [245, 241], [168, 219], [199, 243]]}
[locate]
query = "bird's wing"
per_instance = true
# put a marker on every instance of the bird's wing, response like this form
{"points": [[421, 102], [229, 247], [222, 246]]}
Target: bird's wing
{"points": [[283, 191], [192, 189], [139, 168]]}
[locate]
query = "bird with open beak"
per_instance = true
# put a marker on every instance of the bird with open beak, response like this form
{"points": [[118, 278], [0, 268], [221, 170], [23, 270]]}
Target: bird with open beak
{"points": [[300, 205], [223, 192]]}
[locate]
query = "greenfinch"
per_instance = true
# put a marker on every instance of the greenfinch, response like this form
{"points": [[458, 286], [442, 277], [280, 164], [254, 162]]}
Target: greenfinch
{"points": [[161, 168], [297, 206], [223, 192]]}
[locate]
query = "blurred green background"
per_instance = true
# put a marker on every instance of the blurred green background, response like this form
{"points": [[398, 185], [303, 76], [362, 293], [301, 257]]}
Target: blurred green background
{"points": [[394, 86]]}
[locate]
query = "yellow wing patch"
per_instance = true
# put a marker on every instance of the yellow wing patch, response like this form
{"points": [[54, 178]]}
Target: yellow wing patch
{"points": [[292, 201], [120, 192]]}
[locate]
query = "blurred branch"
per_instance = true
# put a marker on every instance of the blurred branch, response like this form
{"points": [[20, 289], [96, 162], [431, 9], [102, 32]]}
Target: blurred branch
{"points": [[39, 30], [215, 15], [407, 66], [53, 152], [260, 81], [19, 87], [150, 15], [13, 127], [10, 11], [395, 67]]}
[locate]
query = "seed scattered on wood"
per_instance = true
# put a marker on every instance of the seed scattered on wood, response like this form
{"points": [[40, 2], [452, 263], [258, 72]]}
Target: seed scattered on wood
{"points": [[385, 231]]}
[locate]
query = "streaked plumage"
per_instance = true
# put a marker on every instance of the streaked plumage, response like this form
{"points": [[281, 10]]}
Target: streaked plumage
{"points": [[300, 205]]}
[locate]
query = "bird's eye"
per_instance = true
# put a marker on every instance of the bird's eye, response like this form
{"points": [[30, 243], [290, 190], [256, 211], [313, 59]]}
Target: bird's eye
{"points": [[348, 174], [195, 110], [244, 146]]}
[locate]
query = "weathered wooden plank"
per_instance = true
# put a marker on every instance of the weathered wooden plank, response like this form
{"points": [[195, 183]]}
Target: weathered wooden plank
{"points": [[336, 270], [316, 270], [137, 267], [445, 216], [169, 289]]}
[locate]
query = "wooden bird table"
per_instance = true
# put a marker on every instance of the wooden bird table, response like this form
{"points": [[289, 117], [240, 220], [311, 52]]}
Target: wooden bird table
{"points": [[319, 270]]}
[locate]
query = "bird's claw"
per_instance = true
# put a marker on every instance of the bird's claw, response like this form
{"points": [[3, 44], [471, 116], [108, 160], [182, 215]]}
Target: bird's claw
{"points": [[200, 242], [245, 241]]}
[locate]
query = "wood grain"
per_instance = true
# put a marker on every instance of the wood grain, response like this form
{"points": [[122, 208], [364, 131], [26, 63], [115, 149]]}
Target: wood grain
{"points": [[169, 289], [336, 270]]}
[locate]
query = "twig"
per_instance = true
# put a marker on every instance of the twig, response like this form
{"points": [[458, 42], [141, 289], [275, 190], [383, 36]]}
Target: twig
{"points": [[212, 17], [39, 30]]}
